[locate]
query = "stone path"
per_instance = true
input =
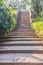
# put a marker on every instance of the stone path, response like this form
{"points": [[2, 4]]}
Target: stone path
{"points": [[23, 21], [22, 46]]}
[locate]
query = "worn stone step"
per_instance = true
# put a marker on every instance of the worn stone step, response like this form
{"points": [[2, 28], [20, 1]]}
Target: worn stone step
{"points": [[27, 23], [21, 49], [21, 39], [24, 26], [21, 59], [29, 33], [21, 63], [21, 43], [25, 30], [22, 36]]}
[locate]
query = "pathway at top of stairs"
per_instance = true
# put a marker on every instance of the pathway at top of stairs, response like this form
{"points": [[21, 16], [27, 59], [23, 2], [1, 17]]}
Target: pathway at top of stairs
{"points": [[21, 46]]}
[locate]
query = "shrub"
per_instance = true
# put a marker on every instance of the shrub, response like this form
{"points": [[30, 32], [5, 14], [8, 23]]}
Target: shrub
{"points": [[12, 11], [38, 26], [37, 19], [7, 21]]}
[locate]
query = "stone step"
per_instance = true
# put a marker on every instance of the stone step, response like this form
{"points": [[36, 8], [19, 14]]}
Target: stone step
{"points": [[21, 39], [24, 26], [29, 32], [21, 43], [22, 35], [24, 22], [21, 59], [12, 36], [21, 49], [22, 63], [25, 30]]}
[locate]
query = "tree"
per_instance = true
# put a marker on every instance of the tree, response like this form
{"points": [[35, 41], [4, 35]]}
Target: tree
{"points": [[37, 7]]}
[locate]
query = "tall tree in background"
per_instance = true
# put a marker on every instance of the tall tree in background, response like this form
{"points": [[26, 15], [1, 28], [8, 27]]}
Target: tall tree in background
{"points": [[1, 2], [37, 7]]}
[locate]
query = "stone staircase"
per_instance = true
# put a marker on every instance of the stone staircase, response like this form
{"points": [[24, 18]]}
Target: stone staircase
{"points": [[21, 47]]}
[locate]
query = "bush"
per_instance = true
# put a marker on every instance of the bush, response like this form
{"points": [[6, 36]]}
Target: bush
{"points": [[12, 11], [7, 21], [37, 19], [38, 26]]}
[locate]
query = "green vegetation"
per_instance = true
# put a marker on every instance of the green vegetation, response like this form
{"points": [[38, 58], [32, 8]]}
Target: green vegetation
{"points": [[7, 21], [38, 26], [12, 11], [37, 7], [38, 19]]}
